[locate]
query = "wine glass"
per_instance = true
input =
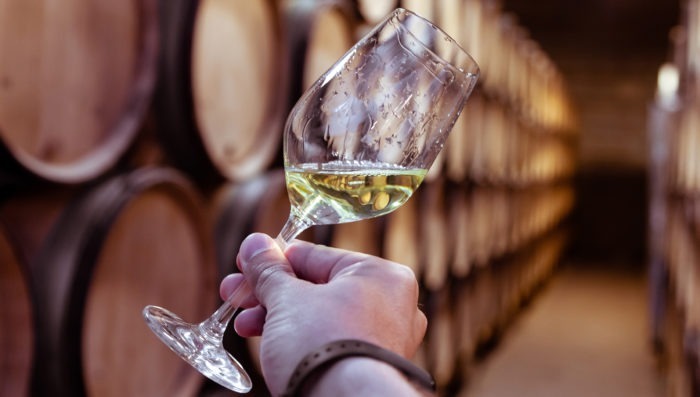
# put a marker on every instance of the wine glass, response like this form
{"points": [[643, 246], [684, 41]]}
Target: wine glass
{"points": [[357, 144]]}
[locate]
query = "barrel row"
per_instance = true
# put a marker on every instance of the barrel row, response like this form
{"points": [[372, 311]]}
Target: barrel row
{"points": [[66, 128], [70, 119], [490, 145], [684, 168], [481, 254], [459, 229], [677, 94], [681, 328], [674, 238], [674, 208], [204, 86], [468, 316], [17, 341], [680, 363], [514, 69], [684, 263], [79, 267], [496, 204], [518, 128]]}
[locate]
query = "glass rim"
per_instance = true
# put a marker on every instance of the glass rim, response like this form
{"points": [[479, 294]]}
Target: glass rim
{"points": [[469, 67]]}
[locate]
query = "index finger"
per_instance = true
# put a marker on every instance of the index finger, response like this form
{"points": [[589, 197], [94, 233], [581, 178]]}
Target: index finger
{"points": [[230, 284]]}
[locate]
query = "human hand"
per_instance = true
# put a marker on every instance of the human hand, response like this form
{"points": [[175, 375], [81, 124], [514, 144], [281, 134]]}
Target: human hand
{"points": [[311, 294]]}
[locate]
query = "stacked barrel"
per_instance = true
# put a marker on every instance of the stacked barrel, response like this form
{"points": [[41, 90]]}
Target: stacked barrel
{"points": [[491, 216], [86, 243], [674, 212], [140, 142]]}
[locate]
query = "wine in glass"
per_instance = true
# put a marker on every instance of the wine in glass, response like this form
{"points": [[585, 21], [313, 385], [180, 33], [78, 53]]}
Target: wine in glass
{"points": [[357, 144]]}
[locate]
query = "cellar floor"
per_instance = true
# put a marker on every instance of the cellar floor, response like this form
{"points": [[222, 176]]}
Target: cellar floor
{"points": [[585, 334]]}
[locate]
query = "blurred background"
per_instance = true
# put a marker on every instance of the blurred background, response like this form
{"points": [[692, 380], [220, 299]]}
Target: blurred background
{"points": [[556, 239]]}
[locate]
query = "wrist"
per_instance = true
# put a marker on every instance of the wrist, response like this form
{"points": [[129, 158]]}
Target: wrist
{"points": [[316, 364], [359, 376]]}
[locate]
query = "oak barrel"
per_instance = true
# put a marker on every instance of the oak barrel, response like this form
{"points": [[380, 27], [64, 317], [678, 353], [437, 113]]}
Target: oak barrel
{"points": [[76, 78], [458, 224], [402, 237], [318, 33], [135, 239], [16, 323], [441, 339], [374, 11], [436, 240], [362, 236], [425, 9], [221, 97]]}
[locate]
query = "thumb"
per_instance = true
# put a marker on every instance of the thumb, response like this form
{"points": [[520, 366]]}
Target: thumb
{"points": [[264, 265]]}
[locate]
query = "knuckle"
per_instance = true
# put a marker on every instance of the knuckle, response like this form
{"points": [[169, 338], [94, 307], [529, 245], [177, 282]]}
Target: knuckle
{"points": [[405, 276], [266, 277]]}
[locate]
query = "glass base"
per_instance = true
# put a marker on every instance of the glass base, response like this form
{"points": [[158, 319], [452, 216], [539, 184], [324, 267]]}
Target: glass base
{"points": [[200, 349]]}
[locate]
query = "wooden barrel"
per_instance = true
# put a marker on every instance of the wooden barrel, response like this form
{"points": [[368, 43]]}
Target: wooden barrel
{"points": [[484, 297], [425, 9], [436, 240], [687, 162], [136, 239], [374, 11], [402, 236], [677, 372], [318, 33], [221, 99], [16, 324], [25, 220], [465, 323], [470, 151], [684, 264], [472, 30], [480, 226], [458, 224], [494, 142], [363, 236], [76, 79], [693, 205], [449, 16], [456, 148], [441, 338]]}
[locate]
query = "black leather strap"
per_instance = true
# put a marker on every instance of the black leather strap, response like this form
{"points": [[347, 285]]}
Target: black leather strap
{"points": [[338, 350]]}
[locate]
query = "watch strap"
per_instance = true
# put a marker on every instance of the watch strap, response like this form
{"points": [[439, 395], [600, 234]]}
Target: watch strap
{"points": [[335, 351]]}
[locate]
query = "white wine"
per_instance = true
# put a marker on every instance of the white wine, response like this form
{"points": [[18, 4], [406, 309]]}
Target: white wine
{"points": [[339, 192]]}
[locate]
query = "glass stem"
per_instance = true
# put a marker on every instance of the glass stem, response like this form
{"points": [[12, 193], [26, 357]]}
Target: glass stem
{"points": [[295, 224], [215, 326]]}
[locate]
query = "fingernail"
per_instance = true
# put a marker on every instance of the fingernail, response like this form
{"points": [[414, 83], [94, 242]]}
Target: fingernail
{"points": [[254, 245]]}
